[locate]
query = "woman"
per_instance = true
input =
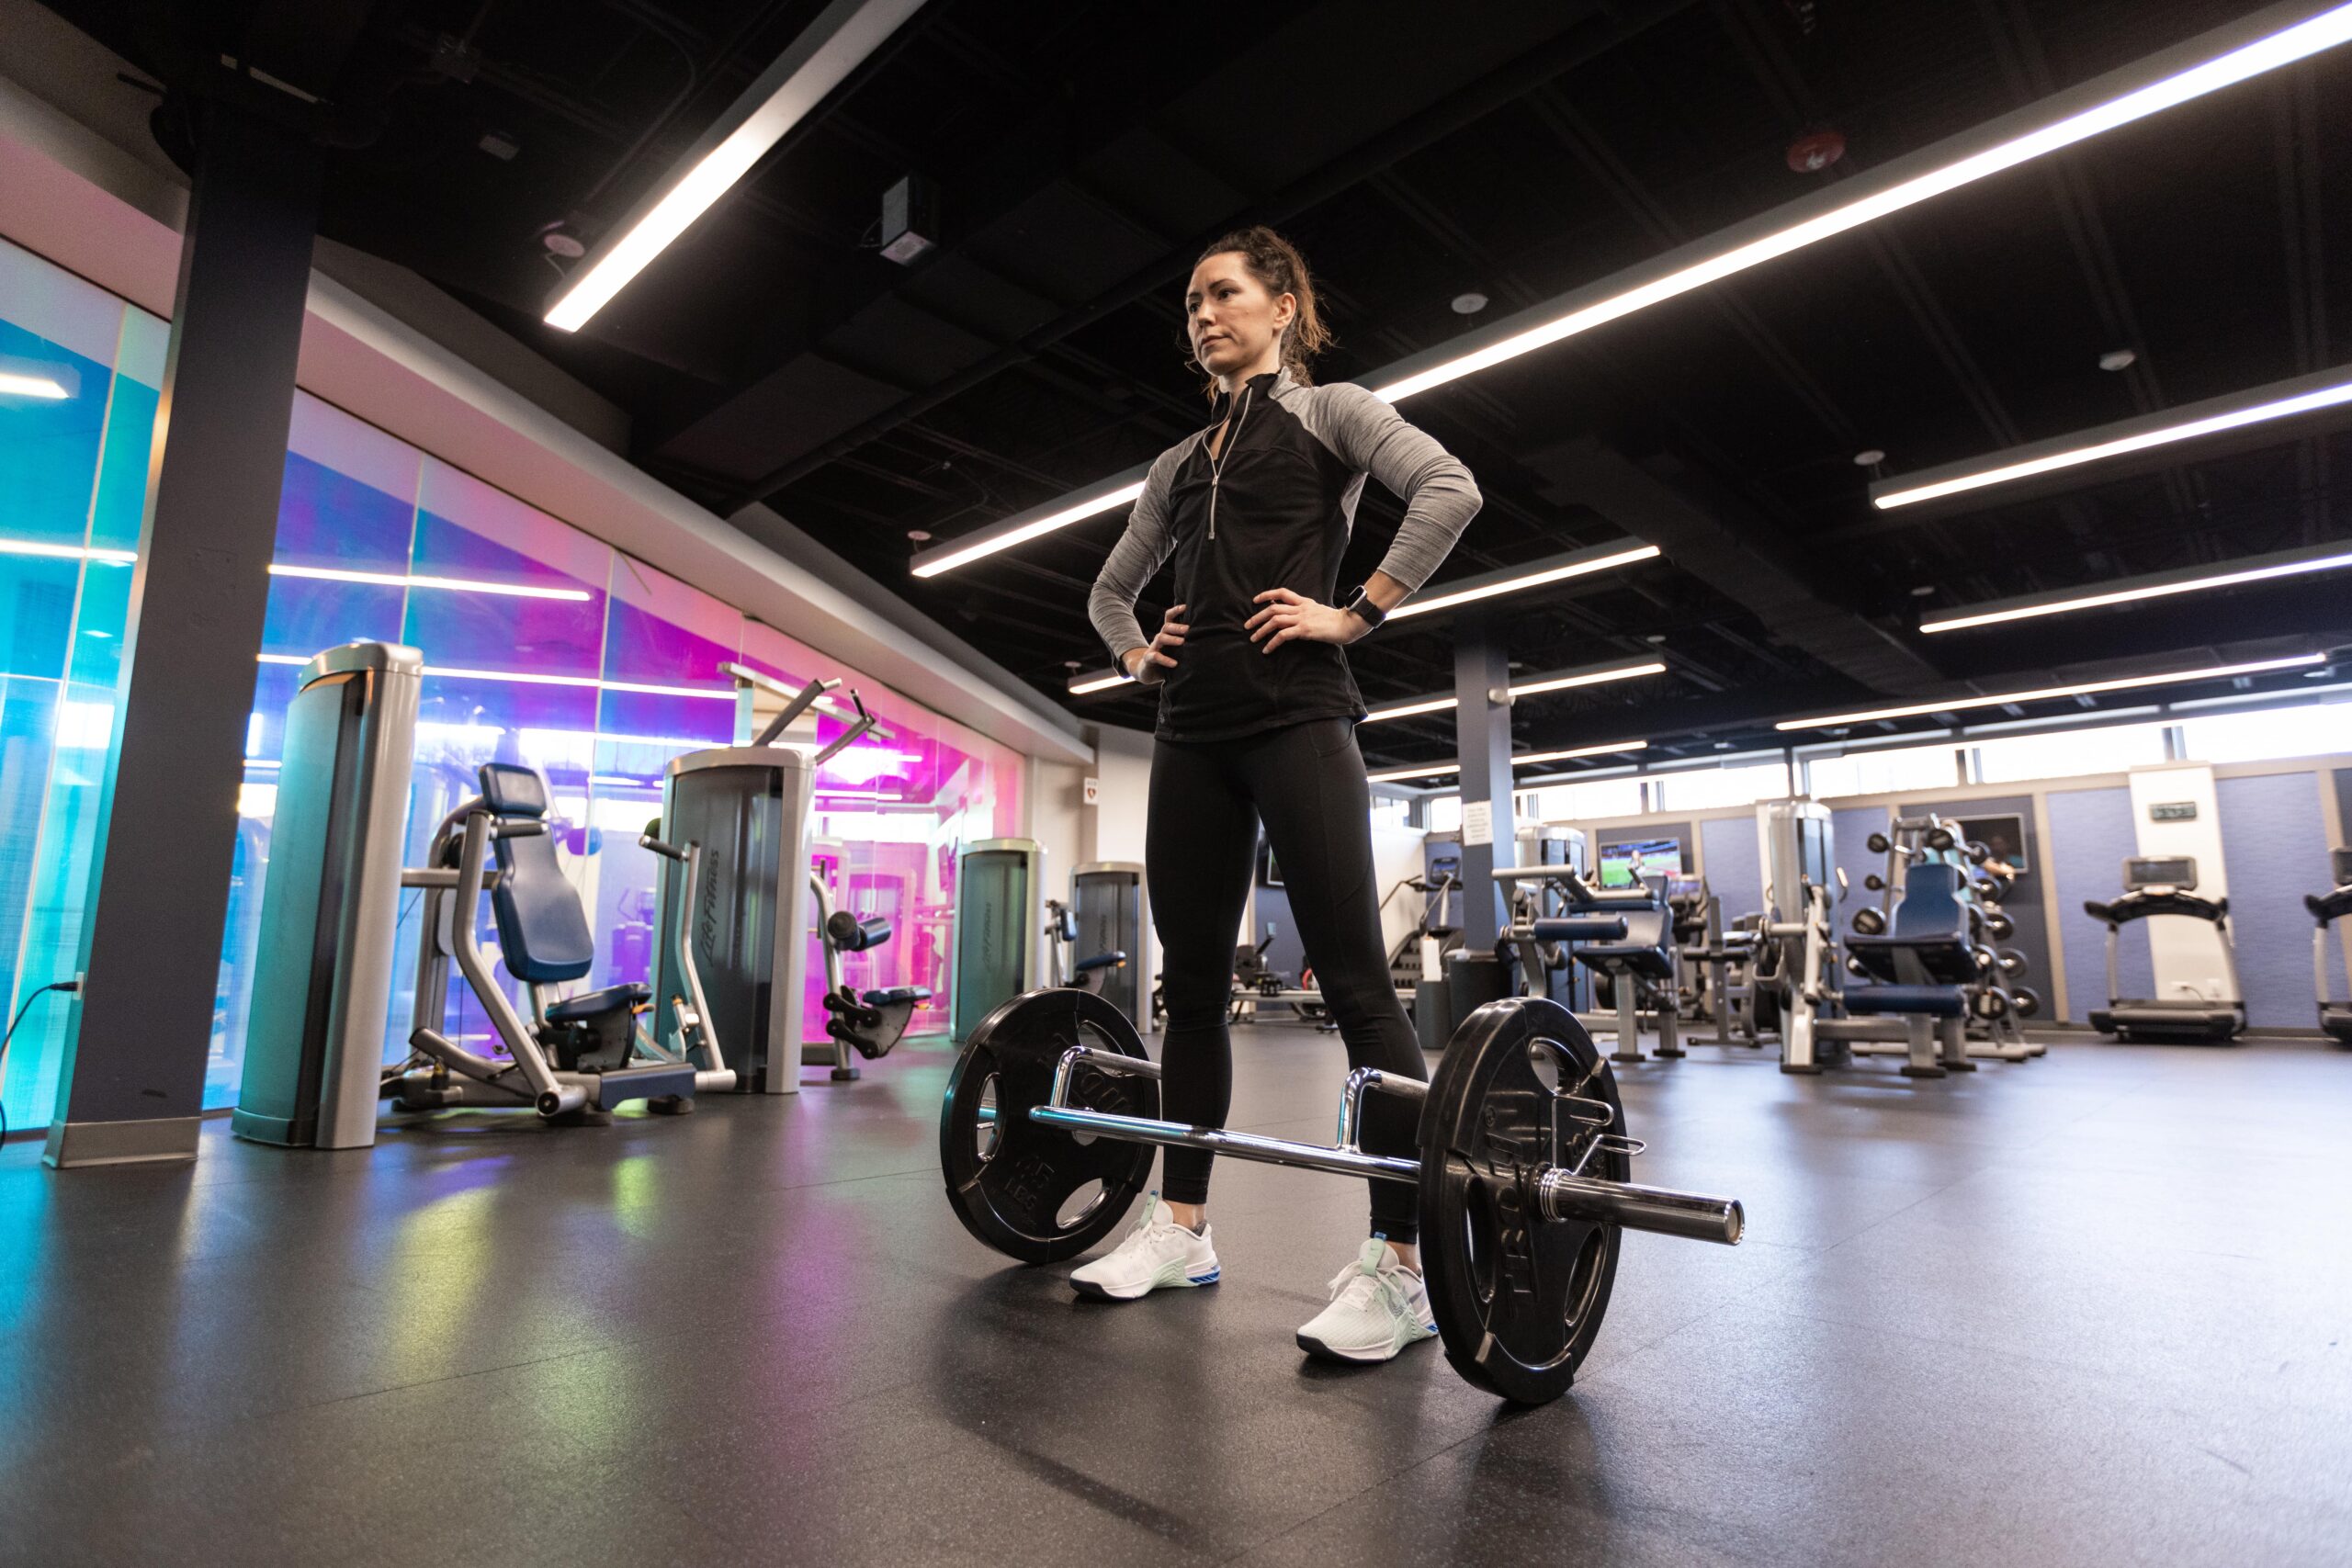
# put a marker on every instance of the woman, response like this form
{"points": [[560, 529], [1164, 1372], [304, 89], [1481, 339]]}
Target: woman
{"points": [[1256, 721]]}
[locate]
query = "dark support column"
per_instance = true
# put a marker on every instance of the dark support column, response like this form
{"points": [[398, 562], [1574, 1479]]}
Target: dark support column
{"points": [[133, 1078], [1482, 738]]}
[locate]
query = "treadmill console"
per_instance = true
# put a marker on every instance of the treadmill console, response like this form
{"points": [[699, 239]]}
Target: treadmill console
{"points": [[2177, 872]]}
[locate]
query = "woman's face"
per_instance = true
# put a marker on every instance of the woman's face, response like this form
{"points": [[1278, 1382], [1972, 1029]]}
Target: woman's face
{"points": [[1230, 317]]}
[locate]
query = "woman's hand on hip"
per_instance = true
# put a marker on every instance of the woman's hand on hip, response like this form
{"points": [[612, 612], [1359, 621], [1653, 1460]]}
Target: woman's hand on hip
{"points": [[1150, 665], [1286, 617]]}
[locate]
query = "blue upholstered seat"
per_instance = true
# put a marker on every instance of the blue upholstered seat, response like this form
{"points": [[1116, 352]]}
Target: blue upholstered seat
{"points": [[542, 931]]}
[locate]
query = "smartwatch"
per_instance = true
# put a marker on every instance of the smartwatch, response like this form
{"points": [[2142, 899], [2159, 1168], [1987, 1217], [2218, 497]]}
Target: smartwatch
{"points": [[1359, 605]]}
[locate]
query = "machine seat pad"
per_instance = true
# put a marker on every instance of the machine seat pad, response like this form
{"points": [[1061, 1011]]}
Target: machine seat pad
{"points": [[1948, 959], [593, 1004], [1618, 899], [1580, 927], [1938, 1001], [1649, 963], [660, 1080], [1110, 960], [889, 993]]}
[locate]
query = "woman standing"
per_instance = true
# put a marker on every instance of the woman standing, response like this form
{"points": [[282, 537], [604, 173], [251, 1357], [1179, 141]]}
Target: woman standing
{"points": [[1257, 722]]}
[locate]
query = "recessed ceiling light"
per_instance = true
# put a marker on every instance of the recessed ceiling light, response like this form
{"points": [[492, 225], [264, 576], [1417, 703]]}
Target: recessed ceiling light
{"points": [[2117, 359], [1655, 637], [1923, 591], [920, 535], [1869, 459], [1469, 304]]}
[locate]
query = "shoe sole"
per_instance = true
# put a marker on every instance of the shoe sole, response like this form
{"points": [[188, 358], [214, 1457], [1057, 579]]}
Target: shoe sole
{"points": [[1095, 1292], [1370, 1353]]}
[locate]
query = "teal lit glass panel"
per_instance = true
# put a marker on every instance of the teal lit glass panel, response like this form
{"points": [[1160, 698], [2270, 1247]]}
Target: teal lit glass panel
{"points": [[72, 427]]}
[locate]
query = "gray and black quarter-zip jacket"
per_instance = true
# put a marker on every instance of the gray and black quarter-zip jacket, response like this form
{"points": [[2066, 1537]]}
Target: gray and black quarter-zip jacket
{"points": [[1272, 510]]}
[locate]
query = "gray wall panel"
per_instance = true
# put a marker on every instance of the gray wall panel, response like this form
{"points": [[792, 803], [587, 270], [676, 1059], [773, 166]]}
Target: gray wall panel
{"points": [[2092, 834], [2276, 845], [1733, 872]]}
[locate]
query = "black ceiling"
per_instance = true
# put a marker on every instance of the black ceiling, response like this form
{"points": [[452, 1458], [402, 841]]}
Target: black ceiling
{"points": [[1085, 151]]}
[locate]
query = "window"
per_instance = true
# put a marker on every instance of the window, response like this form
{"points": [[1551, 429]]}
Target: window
{"points": [[1884, 772], [1445, 814], [2017, 757], [1391, 811], [1595, 801], [2313, 731], [1697, 789]]}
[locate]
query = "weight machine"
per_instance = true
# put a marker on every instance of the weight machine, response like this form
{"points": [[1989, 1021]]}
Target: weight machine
{"points": [[1990, 979]]}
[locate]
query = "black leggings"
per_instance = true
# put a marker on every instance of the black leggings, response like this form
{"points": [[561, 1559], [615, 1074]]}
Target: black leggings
{"points": [[1307, 781]]}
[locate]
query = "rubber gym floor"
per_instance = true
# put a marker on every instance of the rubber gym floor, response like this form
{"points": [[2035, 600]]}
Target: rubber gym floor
{"points": [[2093, 1308]]}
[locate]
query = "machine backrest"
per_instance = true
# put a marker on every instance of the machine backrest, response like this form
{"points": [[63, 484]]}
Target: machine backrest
{"points": [[1930, 905], [542, 931]]}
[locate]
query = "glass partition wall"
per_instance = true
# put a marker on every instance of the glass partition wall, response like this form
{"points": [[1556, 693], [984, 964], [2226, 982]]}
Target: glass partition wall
{"points": [[542, 645]]}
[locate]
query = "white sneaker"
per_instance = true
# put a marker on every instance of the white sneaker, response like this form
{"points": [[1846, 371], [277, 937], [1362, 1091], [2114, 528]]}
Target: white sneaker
{"points": [[1158, 1252], [1378, 1307]]}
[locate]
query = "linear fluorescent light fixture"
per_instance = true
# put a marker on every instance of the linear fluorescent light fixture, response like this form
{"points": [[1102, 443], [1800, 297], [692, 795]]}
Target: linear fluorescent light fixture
{"points": [[2189, 71], [1398, 775], [532, 678], [831, 46], [18, 384], [2275, 37], [419, 579], [67, 552], [1119, 490], [1525, 759], [1519, 579], [1100, 681], [1607, 748], [2254, 569], [2130, 682], [1406, 710], [2236, 411], [1555, 681], [2097, 718]]}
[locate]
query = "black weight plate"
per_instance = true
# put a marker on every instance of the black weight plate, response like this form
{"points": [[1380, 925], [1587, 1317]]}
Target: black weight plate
{"points": [[1012, 1181], [1517, 1298]]}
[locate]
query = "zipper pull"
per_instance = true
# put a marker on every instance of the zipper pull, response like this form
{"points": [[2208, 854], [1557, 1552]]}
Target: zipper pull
{"points": [[1213, 479]]}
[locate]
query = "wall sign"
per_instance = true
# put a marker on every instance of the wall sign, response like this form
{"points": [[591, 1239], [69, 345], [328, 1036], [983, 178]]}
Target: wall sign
{"points": [[1094, 792], [2172, 811], [1478, 822]]}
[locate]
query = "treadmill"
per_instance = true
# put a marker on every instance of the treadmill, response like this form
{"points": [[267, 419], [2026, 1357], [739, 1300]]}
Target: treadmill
{"points": [[2164, 887], [2334, 1017]]}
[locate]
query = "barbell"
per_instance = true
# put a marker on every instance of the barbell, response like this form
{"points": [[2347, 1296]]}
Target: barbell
{"points": [[1051, 1116]]}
